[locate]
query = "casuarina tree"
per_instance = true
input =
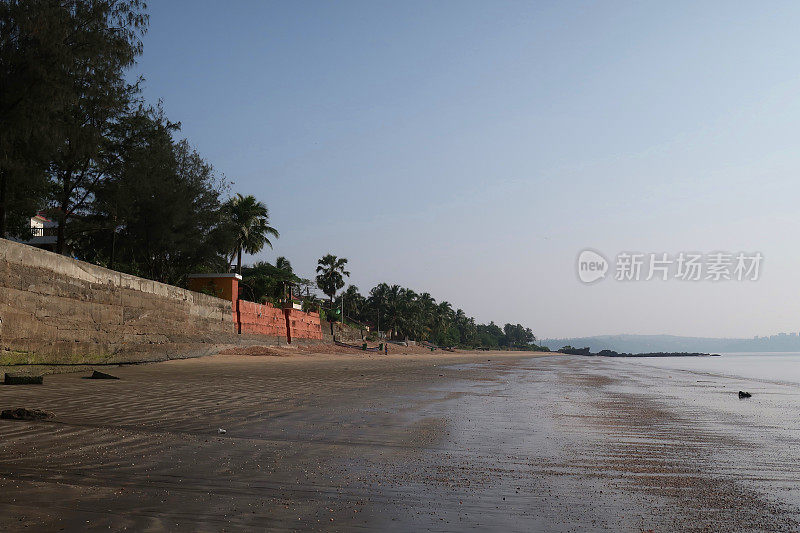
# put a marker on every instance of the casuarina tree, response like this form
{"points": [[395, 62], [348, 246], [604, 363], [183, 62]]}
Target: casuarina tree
{"points": [[33, 89], [159, 214], [106, 42], [62, 66]]}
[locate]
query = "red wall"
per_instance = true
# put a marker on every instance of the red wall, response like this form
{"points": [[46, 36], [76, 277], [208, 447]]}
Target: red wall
{"points": [[264, 319], [221, 287], [260, 319], [303, 325]]}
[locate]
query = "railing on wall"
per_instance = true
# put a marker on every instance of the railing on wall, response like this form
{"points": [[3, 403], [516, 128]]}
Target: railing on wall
{"points": [[44, 232]]}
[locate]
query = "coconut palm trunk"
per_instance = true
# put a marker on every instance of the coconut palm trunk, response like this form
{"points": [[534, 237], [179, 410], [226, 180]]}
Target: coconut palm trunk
{"points": [[330, 278], [330, 318]]}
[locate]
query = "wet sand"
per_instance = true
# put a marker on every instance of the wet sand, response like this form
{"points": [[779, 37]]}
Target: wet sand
{"points": [[424, 441]]}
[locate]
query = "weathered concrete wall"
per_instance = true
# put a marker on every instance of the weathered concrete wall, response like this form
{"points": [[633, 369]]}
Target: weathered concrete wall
{"points": [[58, 310], [342, 332]]}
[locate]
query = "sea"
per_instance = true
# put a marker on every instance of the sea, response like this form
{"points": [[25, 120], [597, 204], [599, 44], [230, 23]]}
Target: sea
{"points": [[776, 367]]}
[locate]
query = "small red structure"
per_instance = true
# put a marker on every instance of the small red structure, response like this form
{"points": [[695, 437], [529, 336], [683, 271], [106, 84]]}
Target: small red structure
{"points": [[258, 319], [225, 286]]}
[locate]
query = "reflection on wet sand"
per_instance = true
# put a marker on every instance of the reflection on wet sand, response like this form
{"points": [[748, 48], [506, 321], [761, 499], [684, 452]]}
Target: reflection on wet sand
{"points": [[416, 442]]}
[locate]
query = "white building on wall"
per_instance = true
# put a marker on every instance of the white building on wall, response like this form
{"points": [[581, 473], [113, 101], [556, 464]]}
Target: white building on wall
{"points": [[43, 233]]}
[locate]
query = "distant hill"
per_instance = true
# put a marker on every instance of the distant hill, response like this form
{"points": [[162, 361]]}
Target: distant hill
{"points": [[672, 343]]}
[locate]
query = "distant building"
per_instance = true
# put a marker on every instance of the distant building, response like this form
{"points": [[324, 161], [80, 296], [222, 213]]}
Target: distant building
{"points": [[43, 233]]}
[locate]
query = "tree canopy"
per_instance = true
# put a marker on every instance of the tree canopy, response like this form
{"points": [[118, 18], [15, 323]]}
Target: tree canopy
{"points": [[331, 274], [249, 219], [402, 313], [78, 143], [159, 212], [264, 281]]}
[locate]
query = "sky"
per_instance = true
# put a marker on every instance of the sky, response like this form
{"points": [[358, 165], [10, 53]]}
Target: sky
{"points": [[473, 149]]}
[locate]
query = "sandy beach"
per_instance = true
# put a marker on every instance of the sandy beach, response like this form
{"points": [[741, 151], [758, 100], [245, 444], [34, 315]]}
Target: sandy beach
{"points": [[418, 441]]}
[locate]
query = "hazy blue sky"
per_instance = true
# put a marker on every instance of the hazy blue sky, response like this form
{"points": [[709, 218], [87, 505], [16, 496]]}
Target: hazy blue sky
{"points": [[473, 149]]}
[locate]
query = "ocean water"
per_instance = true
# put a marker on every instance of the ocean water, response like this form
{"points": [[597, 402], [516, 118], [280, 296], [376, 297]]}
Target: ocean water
{"points": [[765, 428], [783, 367], [706, 389]]}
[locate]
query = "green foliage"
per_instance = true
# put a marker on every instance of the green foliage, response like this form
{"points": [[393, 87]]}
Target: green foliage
{"points": [[403, 313], [249, 220], [574, 351], [491, 336], [265, 282], [311, 304], [354, 303], [75, 139], [518, 336], [449, 336], [158, 214], [106, 44], [62, 87], [331, 274]]}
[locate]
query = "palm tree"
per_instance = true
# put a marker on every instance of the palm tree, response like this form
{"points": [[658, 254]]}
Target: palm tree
{"points": [[354, 302], [466, 327], [427, 310], [331, 274], [250, 220], [394, 309], [444, 315], [282, 263], [377, 301]]}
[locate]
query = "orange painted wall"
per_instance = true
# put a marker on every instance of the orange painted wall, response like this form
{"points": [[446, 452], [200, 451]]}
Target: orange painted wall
{"points": [[224, 288], [304, 325], [260, 319], [265, 319]]}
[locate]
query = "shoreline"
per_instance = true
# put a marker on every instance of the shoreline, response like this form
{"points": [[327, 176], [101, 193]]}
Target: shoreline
{"points": [[448, 441], [304, 350]]}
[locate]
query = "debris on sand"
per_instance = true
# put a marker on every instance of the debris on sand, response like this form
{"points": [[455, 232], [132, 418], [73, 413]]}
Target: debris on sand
{"points": [[101, 375], [21, 413], [743, 394], [222, 431], [23, 379]]}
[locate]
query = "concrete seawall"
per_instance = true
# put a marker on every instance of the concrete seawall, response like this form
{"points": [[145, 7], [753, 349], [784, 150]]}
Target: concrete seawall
{"points": [[57, 310]]}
